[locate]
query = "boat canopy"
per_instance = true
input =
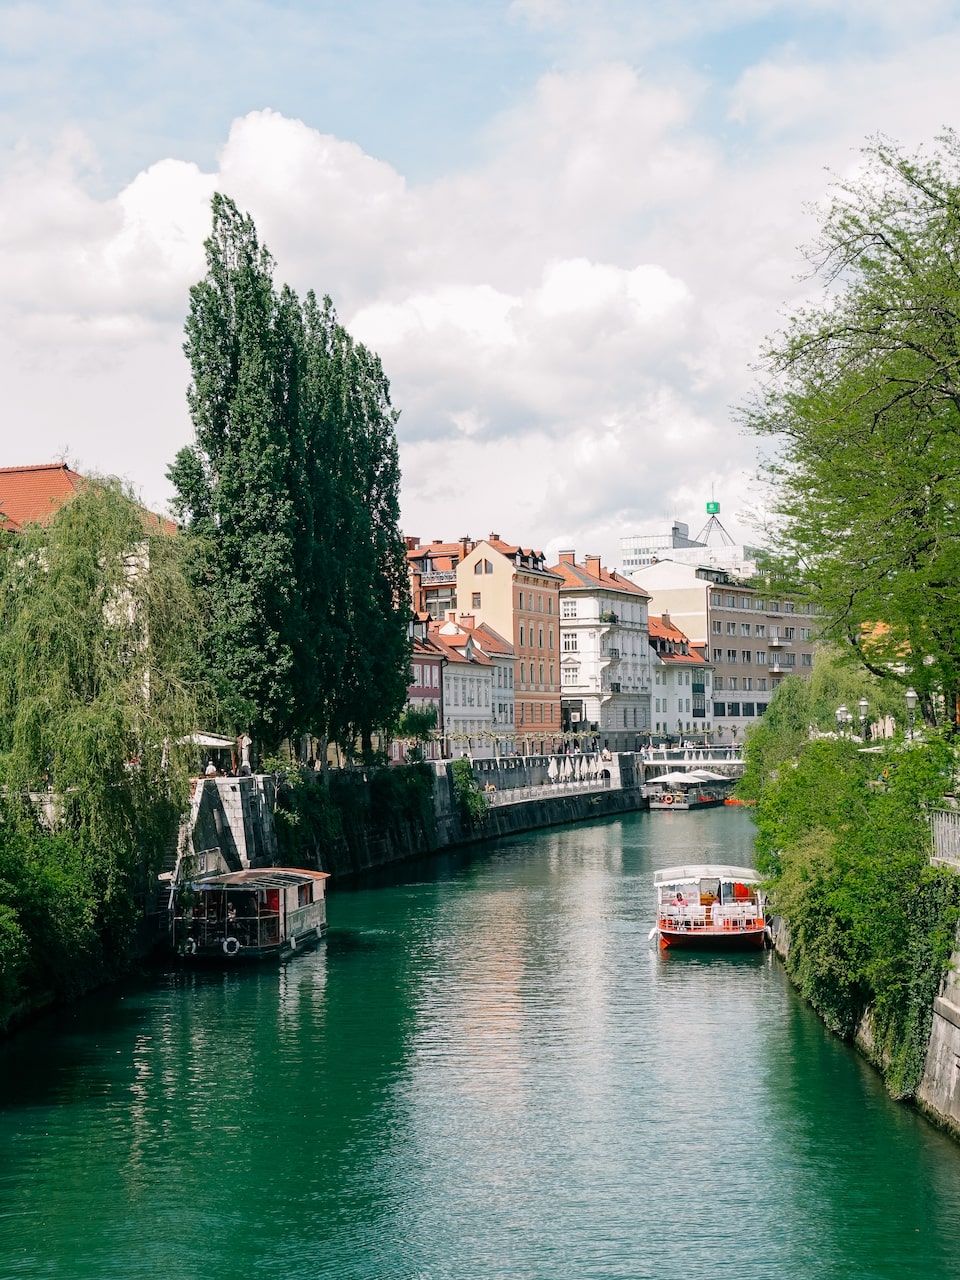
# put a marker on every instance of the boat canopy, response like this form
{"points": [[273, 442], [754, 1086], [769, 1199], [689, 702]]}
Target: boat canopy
{"points": [[707, 775], [674, 779], [705, 871], [265, 878]]}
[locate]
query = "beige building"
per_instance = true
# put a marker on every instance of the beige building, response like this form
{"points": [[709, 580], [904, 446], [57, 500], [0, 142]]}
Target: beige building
{"points": [[510, 589], [752, 634]]}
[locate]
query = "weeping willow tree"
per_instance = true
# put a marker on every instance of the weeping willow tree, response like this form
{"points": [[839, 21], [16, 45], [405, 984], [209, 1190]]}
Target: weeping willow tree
{"points": [[98, 637]]}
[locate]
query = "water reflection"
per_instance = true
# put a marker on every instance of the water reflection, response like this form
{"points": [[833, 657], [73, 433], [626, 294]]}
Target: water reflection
{"points": [[487, 1071]]}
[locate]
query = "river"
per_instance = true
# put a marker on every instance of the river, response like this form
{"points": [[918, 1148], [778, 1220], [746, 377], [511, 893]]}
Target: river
{"points": [[487, 1071]]}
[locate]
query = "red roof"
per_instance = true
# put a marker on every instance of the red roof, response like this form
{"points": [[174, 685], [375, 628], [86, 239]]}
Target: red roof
{"points": [[34, 494], [579, 577], [30, 494]]}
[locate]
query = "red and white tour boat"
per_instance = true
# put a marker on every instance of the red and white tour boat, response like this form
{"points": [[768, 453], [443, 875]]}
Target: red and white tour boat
{"points": [[710, 906]]}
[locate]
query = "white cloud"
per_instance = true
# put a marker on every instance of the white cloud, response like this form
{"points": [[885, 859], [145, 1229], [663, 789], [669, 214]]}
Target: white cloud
{"points": [[565, 324]]}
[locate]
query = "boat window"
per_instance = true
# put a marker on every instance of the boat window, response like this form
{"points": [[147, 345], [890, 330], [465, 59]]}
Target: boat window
{"points": [[304, 895]]}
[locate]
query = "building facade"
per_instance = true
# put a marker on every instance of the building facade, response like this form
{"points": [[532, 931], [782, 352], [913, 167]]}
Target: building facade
{"points": [[753, 635], [682, 685], [510, 589], [605, 659]]}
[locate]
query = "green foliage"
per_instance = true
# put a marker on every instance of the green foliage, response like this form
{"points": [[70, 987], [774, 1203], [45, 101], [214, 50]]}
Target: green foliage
{"points": [[97, 653], [801, 705], [844, 838], [291, 495], [416, 727], [471, 801], [862, 395], [316, 812]]}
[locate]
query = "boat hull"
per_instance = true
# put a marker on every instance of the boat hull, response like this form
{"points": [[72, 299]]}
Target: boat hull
{"points": [[752, 938], [684, 806], [223, 952]]}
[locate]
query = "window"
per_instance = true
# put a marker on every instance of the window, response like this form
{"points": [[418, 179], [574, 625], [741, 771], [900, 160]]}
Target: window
{"points": [[550, 604], [746, 655], [731, 655], [551, 675], [748, 683], [761, 629], [744, 628], [487, 566], [550, 638], [730, 602], [716, 626], [571, 675], [541, 673], [476, 599], [570, 642], [478, 567], [761, 708], [731, 628], [568, 608], [719, 708], [718, 655], [732, 682], [806, 659], [716, 599], [718, 682], [521, 639], [761, 658], [747, 709], [762, 683], [789, 633], [539, 637], [520, 600], [733, 708]]}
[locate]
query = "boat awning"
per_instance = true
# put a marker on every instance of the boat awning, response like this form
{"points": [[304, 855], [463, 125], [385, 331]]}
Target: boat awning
{"points": [[673, 779], [209, 740], [706, 871]]}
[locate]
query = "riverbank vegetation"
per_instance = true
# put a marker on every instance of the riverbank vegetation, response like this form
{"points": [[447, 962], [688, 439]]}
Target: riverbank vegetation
{"points": [[99, 690], [859, 398], [843, 836]]}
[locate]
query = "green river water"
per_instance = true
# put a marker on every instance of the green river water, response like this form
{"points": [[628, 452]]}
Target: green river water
{"points": [[487, 1071]]}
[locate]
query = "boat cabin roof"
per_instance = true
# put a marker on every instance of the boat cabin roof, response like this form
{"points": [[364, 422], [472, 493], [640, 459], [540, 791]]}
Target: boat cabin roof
{"points": [[705, 871], [263, 878]]}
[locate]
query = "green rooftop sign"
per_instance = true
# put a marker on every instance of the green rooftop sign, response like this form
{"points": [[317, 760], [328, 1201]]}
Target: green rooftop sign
{"points": [[713, 508]]}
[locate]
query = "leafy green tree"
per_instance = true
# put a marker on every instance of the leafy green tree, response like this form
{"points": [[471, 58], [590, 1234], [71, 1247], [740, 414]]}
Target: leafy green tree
{"points": [[97, 697], [236, 485], [291, 493], [862, 395]]}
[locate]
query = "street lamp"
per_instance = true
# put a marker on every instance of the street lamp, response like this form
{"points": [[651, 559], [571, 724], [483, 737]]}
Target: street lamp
{"points": [[910, 698], [842, 714], [864, 706]]}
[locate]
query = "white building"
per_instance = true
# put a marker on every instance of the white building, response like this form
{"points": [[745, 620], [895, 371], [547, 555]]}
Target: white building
{"points": [[754, 635], [682, 684], [605, 659]]}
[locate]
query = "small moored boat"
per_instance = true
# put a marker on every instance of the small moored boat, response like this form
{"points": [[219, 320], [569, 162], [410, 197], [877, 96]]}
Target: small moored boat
{"points": [[710, 906], [695, 789], [249, 915]]}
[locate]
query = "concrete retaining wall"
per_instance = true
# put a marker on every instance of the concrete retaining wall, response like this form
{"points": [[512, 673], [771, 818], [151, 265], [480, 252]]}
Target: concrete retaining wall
{"points": [[939, 1092]]}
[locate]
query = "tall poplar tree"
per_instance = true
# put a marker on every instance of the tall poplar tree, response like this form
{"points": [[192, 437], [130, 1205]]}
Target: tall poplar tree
{"points": [[292, 491], [235, 485]]}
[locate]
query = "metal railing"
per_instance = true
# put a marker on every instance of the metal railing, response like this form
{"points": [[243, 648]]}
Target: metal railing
{"points": [[945, 833]]}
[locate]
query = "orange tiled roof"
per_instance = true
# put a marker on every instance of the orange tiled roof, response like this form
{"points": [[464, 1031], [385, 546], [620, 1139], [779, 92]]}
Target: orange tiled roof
{"points": [[577, 576], [34, 494]]}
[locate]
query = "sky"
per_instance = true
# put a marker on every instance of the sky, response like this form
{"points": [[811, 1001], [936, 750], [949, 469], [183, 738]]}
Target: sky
{"points": [[566, 228]]}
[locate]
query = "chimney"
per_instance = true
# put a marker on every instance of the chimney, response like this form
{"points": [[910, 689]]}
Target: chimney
{"points": [[665, 619], [592, 565], [411, 543], [494, 537], [467, 621], [466, 546], [568, 557]]}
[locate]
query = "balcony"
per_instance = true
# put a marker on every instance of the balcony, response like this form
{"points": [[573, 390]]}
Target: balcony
{"points": [[613, 654], [439, 576], [777, 642]]}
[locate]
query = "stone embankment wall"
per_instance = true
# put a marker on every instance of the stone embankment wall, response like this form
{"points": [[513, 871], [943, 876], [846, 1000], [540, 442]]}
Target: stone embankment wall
{"points": [[939, 1092], [231, 822]]}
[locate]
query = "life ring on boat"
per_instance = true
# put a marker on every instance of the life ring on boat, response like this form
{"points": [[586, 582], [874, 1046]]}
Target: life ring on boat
{"points": [[668, 799], [190, 947], [231, 946]]}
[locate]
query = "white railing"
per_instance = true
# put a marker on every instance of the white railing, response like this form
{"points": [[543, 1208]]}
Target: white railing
{"points": [[515, 795], [945, 830]]}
